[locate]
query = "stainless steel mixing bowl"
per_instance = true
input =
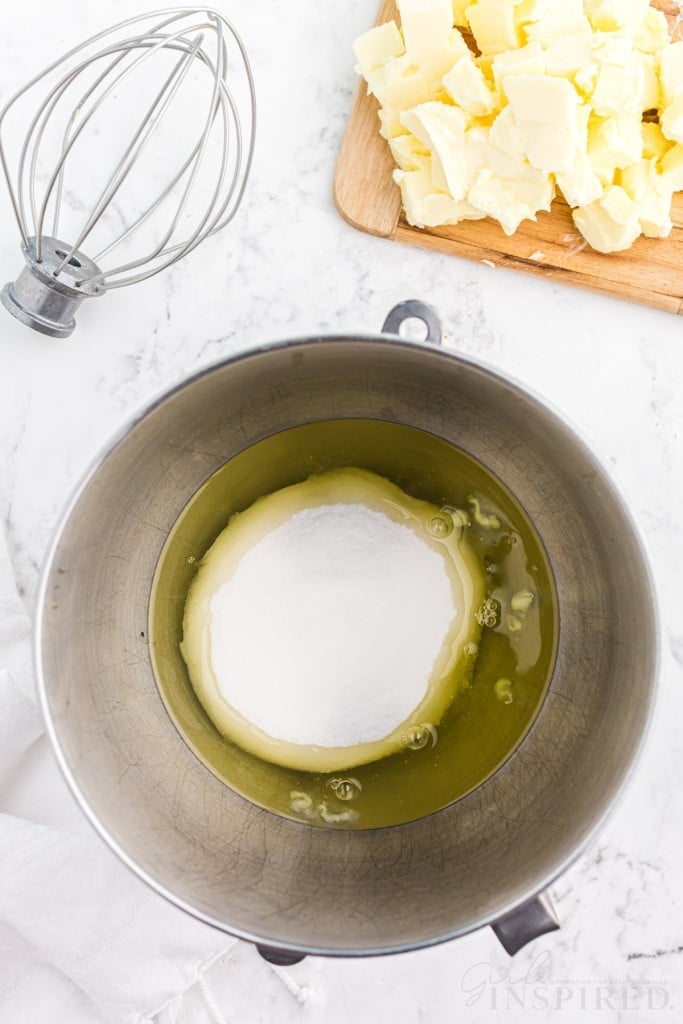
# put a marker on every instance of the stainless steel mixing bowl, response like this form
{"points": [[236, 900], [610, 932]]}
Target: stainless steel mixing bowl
{"points": [[288, 887]]}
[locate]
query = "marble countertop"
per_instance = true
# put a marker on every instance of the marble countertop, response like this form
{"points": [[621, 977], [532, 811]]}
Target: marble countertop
{"points": [[287, 266]]}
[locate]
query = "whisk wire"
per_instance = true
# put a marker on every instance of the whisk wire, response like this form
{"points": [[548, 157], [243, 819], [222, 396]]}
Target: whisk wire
{"points": [[167, 30], [141, 136]]}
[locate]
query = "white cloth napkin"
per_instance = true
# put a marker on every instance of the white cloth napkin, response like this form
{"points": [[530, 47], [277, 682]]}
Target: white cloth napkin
{"points": [[82, 940]]}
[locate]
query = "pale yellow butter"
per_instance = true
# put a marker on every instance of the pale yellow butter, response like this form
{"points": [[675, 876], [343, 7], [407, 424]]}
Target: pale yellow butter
{"points": [[580, 184], [424, 207], [426, 26], [671, 120], [610, 15], [545, 111], [466, 84], [553, 100], [672, 167], [611, 223], [652, 195], [376, 47], [494, 26], [671, 72]]}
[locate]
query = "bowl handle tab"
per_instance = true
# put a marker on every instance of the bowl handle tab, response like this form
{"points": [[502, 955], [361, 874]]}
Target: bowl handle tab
{"points": [[280, 957], [414, 309], [534, 918]]}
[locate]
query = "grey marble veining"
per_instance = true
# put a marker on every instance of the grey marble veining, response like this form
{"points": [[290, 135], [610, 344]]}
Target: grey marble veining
{"points": [[289, 265]]}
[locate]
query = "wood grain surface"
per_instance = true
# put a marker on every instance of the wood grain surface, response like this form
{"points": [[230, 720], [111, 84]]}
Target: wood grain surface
{"points": [[651, 272]]}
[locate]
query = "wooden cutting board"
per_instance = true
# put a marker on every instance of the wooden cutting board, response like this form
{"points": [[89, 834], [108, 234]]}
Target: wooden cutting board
{"points": [[651, 272]]}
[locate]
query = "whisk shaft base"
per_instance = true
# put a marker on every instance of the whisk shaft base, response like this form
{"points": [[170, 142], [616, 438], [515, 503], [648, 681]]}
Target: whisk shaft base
{"points": [[43, 301]]}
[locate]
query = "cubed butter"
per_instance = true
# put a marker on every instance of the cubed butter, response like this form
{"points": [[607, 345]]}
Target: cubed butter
{"points": [[377, 46], [408, 152], [557, 20], [541, 98], [506, 136], [390, 124], [611, 223], [671, 120], [613, 143], [545, 112], [462, 164], [580, 184], [654, 143], [494, 26], [553, 100], [671, 72], [653, 34], [424, 207], [528, 60], [651, 96], [509, 202], [672, 167], [426, 25], [652, 195], [466, 85], [433, 121], [610, 15], [441, 61], [566, 55], [441, 128], [400, 84], [618, 88]]}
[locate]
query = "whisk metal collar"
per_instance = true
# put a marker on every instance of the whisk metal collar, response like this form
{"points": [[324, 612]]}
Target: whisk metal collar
{"points": [[46, 297]]}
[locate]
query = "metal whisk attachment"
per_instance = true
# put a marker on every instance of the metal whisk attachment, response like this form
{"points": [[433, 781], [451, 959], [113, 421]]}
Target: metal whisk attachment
{"points": [[138, 147]]}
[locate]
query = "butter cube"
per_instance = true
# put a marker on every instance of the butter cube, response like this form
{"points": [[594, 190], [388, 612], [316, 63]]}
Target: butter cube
{"points": [[506, 136], [528, 60], [408, 152], [580, 185], [434, 122], [566, 55], [466, 85], [672, 168], [610, 15], [390, 124], [400, 84], [613, 48], [545, 112], [442, 60], [618, 88], [611, 223], [436, 209], [441, 129], [671, 120], [652, 194], [613, 143], [426, 25], [651, 96], [549, 20], [654, 143], [377, 46], [494, 26], [424, 207], [541, 98], [653, 33], [671, 72], [461, 167], [510, 202]]}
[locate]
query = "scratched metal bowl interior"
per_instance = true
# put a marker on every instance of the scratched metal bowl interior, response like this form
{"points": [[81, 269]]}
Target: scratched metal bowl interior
{"points": [[277, 881]]}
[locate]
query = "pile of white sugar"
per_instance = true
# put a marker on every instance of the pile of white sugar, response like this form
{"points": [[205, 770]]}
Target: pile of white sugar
{"points": [[328, 630]]}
